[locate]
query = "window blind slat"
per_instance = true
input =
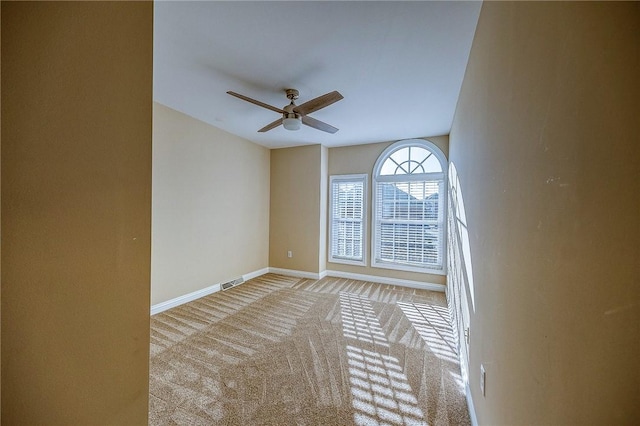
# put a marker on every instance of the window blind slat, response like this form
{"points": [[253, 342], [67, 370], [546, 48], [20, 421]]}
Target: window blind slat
{"points": [[409, 216], [347, 218]]}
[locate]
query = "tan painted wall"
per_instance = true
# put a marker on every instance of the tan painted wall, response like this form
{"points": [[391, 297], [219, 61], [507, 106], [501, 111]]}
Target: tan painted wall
{"points": [[361, 159], [0, 226], [545, 142], [210, 204], [76, 211], [324, 197], [295, 208]]}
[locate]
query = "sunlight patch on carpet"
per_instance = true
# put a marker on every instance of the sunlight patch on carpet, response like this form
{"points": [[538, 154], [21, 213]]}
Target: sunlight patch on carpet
{"points": [[431, 324], [380, 391]]}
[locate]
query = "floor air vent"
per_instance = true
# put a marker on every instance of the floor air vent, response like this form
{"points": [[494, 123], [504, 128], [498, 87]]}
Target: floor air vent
{"points": [[232, 283]]}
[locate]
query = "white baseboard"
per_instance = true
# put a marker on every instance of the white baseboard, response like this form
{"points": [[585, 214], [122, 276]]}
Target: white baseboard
{"points": [[294, 273], [472, 409], [386, 280], [190, 297], [254, 274], [163, 306], [361, 277], [185, 298]]}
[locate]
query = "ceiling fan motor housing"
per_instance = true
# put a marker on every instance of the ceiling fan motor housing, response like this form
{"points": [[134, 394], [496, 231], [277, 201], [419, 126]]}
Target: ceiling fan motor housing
{"points": [[289, 112]]}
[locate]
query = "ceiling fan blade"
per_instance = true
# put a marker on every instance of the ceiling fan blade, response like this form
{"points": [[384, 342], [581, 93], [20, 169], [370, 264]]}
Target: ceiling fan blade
{"points": [[253, 101], [271, 125], [318, 103], [317, 124]]}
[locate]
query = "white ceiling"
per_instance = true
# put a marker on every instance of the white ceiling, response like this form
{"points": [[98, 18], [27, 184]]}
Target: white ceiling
{"points": [[399, 65]]}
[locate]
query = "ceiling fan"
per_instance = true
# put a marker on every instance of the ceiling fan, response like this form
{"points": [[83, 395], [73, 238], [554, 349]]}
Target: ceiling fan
{"points": [[293, 115]]}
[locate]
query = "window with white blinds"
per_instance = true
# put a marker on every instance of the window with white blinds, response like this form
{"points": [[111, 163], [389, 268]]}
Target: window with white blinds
{"points": [[409, 208], [347, 219]]}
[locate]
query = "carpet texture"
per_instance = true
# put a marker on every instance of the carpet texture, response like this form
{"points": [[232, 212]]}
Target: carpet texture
{"points": [[279, 350]]}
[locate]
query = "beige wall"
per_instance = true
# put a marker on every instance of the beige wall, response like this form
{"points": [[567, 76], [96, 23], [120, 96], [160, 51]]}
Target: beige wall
{"points": [[361, 159], [210, 202], [545, 142], [0, 231], [295, 208], [76, 211], [324, 196]]}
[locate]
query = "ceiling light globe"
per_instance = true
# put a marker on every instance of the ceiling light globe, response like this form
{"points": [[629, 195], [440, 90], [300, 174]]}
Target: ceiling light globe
{"points": [[292, 123]]}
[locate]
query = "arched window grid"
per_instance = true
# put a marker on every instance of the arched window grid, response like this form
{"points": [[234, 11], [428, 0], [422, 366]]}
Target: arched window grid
{"points": [[409, 199]]}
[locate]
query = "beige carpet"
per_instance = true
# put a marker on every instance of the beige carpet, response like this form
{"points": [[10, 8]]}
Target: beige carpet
{"points": [[287, 351]]}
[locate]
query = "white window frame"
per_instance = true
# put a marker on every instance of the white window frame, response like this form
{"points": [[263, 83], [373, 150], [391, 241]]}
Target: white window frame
{"points": [[442, 203], [354, 178]]}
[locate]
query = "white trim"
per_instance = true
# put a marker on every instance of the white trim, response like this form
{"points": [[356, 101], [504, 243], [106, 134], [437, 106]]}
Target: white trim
{"points": [[410, 142], [470, 406], [353, 178], [190, 297], [294, 273], [416, 176], [348, 262], [254, 274], [376, 178], [406, 268], [185, 298], [361, 277], [385, 280]]}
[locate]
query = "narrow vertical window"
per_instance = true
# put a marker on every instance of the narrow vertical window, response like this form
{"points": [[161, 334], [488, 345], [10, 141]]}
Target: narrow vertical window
{"points": [[408, 207], [347, 220]]}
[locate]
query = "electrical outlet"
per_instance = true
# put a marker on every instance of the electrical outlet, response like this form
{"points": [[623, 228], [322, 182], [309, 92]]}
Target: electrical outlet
{"points": [[289, 253], [483, 376]]}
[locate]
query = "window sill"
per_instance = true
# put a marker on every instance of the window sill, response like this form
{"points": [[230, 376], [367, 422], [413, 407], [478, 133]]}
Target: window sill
{"points": [[407, 268], [347, 261]]}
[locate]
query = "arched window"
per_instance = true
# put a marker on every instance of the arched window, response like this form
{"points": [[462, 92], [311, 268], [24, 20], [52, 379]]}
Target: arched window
{"points": [[409, 207]]}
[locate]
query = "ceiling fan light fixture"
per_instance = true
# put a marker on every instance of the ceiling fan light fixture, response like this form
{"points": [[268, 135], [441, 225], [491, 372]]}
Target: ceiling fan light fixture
{"points": [[292, 122]]}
